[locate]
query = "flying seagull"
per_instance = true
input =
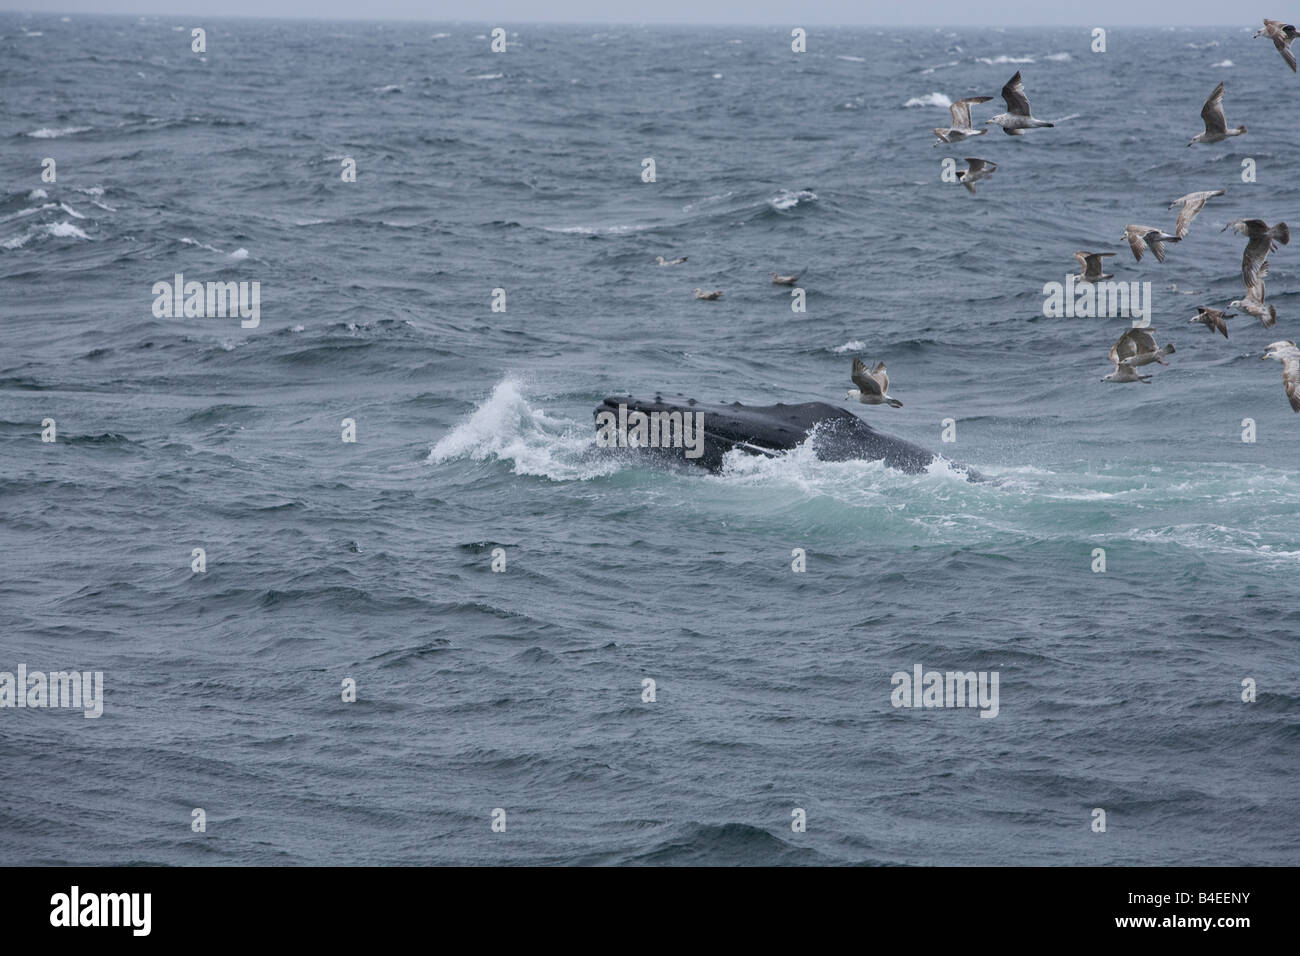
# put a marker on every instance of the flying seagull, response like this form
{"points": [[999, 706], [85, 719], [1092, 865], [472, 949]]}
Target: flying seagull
{"points": [[1017, 118], [1134, 348], [960, 128], [1287, 353], [1253, 303], [1216, 127], [1192, 204], [1281, 34], [784, 280], [1139, 237], [1261, 239], [1090, 263], [979, 169], [715, 294], [1213, 319], [872, 385], [670, 262]]}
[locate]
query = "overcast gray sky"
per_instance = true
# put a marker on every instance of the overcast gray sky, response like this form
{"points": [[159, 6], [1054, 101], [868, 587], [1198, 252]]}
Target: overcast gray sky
{"points": [[1103, 13]]}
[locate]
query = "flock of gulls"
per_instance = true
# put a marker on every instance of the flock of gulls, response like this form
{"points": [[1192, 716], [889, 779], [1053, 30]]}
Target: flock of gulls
{"points": [[1137, 346]]}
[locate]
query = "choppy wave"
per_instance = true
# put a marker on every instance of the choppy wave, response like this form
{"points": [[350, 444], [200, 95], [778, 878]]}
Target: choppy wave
{"points": [[46, 132]]}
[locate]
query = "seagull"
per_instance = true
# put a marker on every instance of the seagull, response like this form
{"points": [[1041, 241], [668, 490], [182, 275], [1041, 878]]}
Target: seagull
{"points": [[1253, 304], [1139, 237], [1212, 319], [1287, 353], [670, 262], [784, 280], [1192, 204], [1017, 118], [979, 169], [1090, 263], [960, 128], [1137, 347], [1281, 34], [1261, 240], [1216, 127], [872, 385], [715, 294]]}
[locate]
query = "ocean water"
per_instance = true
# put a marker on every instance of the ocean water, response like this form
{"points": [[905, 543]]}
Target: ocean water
{"points": [[522, 690]]}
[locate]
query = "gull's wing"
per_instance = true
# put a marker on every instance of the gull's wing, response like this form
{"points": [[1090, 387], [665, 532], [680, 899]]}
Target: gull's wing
{"points": [[1192, 205], [1212, 112], [1155, 239], [1123, 348], [1014, 94], [863, 380], [977, 164], [1284, 47], [1254, 261], [1135, 242], [961, 110], [881, 377], [1291, 380], [1142, 340]]}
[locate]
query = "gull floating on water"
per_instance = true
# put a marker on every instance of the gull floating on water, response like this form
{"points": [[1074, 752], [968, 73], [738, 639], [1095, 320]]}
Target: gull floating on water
{"points": [[1017, 118], [1213, 319], [1140, 237], [715, 294], [1192, 204], [1216, 127], [979, 169], [784, 280], [1090, 263], [872, 385], [1281, 34], [670, 262], [960, 128], [1287, 353], [1136, 347], [1261, 240]]}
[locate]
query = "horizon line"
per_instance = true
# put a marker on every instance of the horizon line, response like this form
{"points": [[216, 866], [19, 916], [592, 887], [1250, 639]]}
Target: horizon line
{"points": [[631, 22]]}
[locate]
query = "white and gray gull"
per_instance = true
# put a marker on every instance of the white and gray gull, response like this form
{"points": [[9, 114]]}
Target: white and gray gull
{"points": [[1141, 237], [1192, 204], [1287, 353], [961, 126], [1281, 34], [1017, 118], [1216, 126], [979, 169], [872, 385]]}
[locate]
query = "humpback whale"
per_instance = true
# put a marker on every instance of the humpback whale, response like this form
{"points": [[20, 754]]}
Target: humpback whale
{"points": [[837, 434]]}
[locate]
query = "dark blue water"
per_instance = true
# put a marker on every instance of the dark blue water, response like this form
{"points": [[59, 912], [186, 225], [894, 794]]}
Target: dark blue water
{"points": [[522, 690]]}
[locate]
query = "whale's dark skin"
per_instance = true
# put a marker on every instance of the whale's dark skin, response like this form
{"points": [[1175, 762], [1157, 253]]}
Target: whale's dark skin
{"points": [[770, 429]]}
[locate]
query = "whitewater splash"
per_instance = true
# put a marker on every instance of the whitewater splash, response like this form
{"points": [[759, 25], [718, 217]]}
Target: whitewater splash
{"points": [[506, 428], [786, 199], [930, 99]]}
